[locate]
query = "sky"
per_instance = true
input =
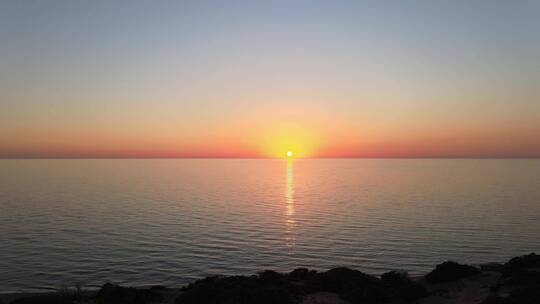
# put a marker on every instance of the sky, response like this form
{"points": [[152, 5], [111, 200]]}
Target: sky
{"points": [[260, 78]]}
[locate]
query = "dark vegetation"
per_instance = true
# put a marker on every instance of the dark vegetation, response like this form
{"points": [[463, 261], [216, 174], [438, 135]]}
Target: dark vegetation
{"points": [[521, 277], [523, 262], [108, 294], [272, 287], [450, 271], [402, 287], [519, 283], [113, 294], [43, 299]]}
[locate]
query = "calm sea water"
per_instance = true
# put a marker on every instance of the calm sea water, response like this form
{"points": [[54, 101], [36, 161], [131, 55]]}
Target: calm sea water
{"points": [[139, 222]]}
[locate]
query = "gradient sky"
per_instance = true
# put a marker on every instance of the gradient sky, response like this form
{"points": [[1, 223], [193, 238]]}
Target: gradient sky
{"points": [[255, 79]]}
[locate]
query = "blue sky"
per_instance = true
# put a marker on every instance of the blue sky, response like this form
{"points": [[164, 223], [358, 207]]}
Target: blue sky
{"points": [[179, 74]]}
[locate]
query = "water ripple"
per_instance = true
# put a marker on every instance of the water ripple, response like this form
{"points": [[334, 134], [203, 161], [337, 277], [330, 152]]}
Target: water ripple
{"points": [[142, 222]]}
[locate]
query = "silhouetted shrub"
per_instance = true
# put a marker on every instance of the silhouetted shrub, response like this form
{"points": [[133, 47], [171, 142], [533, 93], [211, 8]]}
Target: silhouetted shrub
{"points": [[521, 280], [524, 295], [523, 277], [401, 287], [269, 277], [351, 285], [300, 274], [269, 287], [272, 287], [495, 300], [523, 262], [450, 271], [492, 267], [157, 287], [114, 294], [43, 299], [75, 294]]}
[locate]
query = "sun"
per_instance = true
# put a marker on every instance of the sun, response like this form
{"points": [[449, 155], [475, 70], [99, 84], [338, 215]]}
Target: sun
{"points": [[289, 154]]}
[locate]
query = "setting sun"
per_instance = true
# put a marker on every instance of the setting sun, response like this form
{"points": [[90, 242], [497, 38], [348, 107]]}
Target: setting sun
{"points": [[248, 136], [288, 140]]}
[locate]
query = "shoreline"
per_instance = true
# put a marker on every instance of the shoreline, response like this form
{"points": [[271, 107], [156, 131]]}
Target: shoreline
{"points": [[515, 281]]}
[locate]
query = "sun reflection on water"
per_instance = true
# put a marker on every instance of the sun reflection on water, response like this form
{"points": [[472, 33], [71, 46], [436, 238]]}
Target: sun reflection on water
{"points": [[290, 222]]}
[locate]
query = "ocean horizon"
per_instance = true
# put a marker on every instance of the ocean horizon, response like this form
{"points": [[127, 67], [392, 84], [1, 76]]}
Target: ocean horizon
{"points": [[172, 221]]}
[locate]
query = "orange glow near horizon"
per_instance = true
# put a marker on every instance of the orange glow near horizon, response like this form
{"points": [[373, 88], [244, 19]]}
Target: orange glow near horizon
{"points": [[278, 144], [281, 142], [270, 133], [324, 80]]}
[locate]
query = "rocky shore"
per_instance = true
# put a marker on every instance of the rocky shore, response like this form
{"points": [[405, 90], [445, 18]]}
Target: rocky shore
{"points": [[516, 281]]}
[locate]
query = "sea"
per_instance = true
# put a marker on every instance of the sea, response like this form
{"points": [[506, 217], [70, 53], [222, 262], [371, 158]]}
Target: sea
{"points": [[139, 222]]}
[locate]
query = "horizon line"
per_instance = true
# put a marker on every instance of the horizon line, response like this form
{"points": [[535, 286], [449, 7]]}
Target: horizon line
{"points": [[241, 157]]}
